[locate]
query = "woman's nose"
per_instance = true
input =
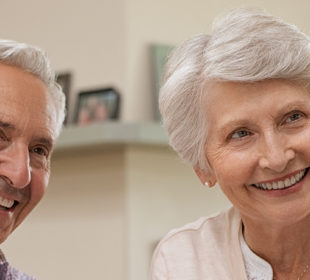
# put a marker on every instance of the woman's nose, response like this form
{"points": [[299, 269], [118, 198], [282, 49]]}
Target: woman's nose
{"points": [[15, 165], [276, 154]]}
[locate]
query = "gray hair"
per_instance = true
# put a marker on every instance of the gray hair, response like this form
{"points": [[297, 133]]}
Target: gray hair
{"points": [[34, 60], [246, 46]]}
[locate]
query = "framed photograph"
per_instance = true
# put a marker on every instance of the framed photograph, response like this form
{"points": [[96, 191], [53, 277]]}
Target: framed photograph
{"points": [[64, 79], [159, 55], [97, 106]]}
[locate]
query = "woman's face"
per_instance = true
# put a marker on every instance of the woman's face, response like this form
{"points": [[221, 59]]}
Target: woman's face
{"points": [[258, 147]]}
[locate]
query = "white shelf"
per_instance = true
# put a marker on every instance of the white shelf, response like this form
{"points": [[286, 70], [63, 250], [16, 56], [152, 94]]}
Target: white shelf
{"points": [[111, 133]]}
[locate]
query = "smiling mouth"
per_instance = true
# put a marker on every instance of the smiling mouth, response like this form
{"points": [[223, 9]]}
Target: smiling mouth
{"points": [[283, 184], [7, 204]]}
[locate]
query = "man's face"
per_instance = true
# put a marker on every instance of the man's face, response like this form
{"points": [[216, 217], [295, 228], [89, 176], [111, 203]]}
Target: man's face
{"points": [[27, 135]]}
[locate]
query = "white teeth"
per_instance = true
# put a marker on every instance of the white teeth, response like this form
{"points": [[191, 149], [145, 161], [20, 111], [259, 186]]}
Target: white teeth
{"points": [[281, 185], [6, 202], [288, 182], [299, 176]]}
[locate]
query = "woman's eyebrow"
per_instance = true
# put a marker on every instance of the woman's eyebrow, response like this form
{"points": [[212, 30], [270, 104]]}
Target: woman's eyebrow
{"points": [[236, 122], [233, 124], [293, 106]]}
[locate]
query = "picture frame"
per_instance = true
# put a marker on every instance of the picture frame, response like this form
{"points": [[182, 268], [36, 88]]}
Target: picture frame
{"points": [[159, 56], [97, 105], [64, 79]]}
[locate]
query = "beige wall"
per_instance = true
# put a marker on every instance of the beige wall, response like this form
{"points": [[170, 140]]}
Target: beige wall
{"points": [[78, 230], [104, 211], [172, 21], [85, 37], [163, 193], [106, 42]]}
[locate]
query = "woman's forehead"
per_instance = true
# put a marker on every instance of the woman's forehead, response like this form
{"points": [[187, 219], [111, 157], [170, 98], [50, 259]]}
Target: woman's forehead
{"points": [[229, 100]]}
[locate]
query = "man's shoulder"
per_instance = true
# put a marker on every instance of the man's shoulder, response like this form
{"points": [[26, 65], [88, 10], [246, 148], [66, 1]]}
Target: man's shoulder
{"points": [[8, 272], [15, 274]]}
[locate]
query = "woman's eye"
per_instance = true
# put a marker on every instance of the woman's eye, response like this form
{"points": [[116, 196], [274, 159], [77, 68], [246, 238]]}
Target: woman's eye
{"points": [[293, 117], [240, 134]]}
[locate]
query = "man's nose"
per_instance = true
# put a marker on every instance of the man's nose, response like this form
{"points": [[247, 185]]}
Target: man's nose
{"points": [[276, 153], [15, 165]]}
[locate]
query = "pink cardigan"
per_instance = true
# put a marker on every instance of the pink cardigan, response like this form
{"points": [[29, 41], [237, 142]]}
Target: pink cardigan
{"points": [[208, 249]]}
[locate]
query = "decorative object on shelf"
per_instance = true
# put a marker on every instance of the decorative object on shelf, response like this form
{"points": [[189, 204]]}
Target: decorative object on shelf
{"points": [[97, 106], [159, 55], [64, 79]]}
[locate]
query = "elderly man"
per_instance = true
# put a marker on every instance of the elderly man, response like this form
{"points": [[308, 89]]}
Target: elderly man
{"points": [[31, 116]]}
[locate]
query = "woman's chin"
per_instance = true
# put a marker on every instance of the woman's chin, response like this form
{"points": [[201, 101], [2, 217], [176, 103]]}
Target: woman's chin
{"points": [[282, 215]]}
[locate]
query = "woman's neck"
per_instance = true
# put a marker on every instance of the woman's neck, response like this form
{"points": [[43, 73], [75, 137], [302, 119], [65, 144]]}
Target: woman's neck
{"points": [[285, 247]]}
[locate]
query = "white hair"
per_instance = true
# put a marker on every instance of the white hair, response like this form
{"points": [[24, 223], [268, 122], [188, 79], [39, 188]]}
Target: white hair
{"points": [[246, 46], [34, 60]]}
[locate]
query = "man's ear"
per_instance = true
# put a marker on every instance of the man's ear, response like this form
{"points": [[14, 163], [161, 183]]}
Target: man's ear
{"points": [[206, 178]]}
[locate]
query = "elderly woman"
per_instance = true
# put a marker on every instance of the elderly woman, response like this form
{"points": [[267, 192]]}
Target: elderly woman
{"points": [[236, 106]]}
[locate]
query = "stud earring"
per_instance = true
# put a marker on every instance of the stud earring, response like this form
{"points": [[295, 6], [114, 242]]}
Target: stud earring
{"points": [[207, 184]]}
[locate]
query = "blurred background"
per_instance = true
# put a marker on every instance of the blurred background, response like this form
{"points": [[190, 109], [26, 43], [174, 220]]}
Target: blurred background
{"points": [[116, 186]]}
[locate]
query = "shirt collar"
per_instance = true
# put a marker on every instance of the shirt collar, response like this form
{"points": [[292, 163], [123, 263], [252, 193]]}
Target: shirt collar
{"points": [[256, 267]]}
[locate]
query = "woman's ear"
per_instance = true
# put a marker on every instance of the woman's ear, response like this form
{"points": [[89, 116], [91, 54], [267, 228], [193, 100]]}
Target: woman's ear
{"points": [[205, 177]]}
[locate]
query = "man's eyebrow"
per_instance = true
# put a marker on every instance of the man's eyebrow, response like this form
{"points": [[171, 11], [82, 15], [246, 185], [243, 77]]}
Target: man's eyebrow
{"points": [[46, 141], [43, 140]]}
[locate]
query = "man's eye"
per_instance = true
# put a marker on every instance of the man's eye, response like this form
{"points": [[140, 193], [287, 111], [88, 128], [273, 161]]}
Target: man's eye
{"points": [[240, 134], [40, 151]]}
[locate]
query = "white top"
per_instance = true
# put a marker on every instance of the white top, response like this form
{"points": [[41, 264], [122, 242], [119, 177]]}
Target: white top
{"points": [[256, 267], [211, 248], [207, 249]]}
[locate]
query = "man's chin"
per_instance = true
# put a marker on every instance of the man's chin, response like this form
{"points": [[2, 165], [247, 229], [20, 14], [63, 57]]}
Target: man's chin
{"points": [[4, 236], [5, 232]]}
